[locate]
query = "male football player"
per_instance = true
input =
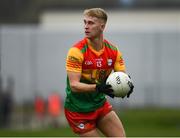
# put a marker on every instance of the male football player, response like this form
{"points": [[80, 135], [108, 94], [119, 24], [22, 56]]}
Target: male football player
{"points": [[88, 64]]}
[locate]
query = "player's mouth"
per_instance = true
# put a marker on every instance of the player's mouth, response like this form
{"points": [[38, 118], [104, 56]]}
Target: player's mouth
{"points": [[86, 32]]}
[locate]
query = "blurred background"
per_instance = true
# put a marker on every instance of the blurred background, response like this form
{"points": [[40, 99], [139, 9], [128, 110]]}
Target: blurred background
{"points": [[35, 36]]}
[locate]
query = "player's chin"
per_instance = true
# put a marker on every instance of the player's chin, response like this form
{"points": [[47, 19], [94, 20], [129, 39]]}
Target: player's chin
{"points": [[87, 35]]}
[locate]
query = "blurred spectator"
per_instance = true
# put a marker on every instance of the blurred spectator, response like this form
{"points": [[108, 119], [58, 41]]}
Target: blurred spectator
{"points": [[54, 108], [40, 111], [39, 105], [7, 103], [1, 103]]}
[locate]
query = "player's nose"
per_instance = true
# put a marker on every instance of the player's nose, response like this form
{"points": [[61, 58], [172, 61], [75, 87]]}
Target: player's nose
{"points": [[86, 26]]}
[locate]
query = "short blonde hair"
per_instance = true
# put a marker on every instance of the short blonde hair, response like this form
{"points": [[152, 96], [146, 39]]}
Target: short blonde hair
{"points": [[96, 12]]}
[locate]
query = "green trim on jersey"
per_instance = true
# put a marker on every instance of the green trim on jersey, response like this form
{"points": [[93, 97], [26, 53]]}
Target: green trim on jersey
{"points": [[110, 46], [83, 102], [83, 50]]}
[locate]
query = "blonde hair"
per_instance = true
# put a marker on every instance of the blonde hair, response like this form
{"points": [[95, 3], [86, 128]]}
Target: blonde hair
{"points": [[96, 12]]}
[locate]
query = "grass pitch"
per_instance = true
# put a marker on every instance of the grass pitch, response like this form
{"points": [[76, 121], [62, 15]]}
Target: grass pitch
{"points": [[137, 122], [151, 122]]}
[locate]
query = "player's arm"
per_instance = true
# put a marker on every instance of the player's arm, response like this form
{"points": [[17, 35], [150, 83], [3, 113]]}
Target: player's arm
{"points": [[77, 86], [119, 63], [74, 68], [120, 66]]}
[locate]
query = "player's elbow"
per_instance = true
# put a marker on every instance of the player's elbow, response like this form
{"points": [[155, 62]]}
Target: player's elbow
{"points": [[74, 86]]}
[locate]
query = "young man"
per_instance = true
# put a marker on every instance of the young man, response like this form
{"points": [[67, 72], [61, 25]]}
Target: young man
{"points": [[88, 64]]}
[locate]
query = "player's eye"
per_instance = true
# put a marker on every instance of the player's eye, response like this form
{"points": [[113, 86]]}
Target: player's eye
{"points": [[84, 21], [90, 22]]}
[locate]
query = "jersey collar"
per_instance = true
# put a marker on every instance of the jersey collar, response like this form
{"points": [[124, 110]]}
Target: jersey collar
{"points": [[98, 53]]}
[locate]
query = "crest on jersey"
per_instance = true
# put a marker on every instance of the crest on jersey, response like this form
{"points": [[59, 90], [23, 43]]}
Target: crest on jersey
{"points": [[109, 62]]}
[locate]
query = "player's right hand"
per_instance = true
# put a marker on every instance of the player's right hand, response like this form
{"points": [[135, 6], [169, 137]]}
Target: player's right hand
{"points": [[105, 88], [131, 89]]}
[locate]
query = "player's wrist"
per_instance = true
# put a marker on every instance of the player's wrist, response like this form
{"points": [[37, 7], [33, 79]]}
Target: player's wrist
{"points": [[100, 87], [105, 88]]}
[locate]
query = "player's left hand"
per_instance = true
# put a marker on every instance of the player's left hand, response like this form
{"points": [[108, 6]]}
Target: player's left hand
{"points": [[131, 89]]}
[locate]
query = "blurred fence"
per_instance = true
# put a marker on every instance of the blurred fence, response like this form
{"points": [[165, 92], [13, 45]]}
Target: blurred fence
{"points": [[35, 58]]}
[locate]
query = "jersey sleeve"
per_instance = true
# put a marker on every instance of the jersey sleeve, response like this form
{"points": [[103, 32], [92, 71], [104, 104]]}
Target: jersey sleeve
{"points": [[74, 60], [119, 63]]}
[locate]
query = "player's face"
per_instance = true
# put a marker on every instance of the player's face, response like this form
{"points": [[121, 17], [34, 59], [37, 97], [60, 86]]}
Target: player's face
{"points": [[93, 26]]}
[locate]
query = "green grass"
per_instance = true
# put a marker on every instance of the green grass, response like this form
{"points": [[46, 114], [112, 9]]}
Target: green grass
{"points": [[62, 132], [137, 122], [151, 122]]}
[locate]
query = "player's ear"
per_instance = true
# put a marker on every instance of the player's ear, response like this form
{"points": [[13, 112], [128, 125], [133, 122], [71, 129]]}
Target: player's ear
{"points": [[103, 26]]}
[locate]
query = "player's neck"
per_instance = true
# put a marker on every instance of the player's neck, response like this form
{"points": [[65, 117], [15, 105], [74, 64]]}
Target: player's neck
{"points": [[97, 43]]}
